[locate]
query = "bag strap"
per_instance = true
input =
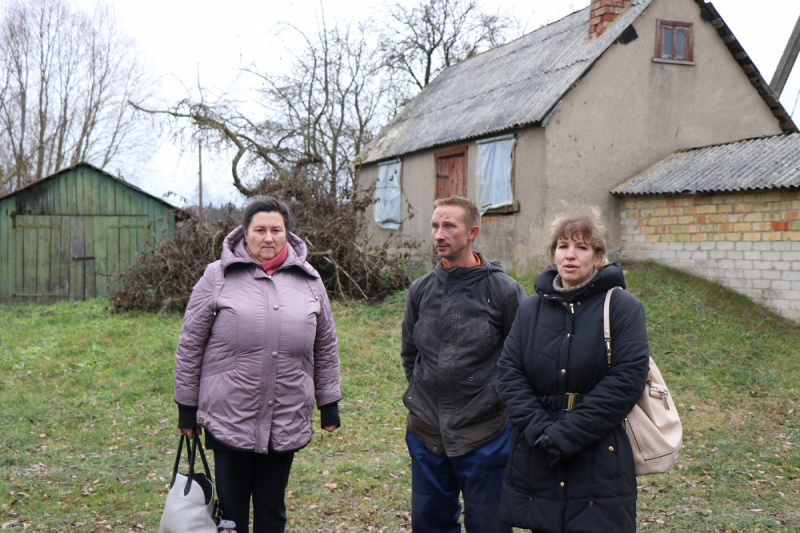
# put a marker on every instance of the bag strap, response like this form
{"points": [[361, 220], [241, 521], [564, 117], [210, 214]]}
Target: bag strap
{"points": [[178, 459], [196, 445], [203, 457], [607, 322], [191, 463]]}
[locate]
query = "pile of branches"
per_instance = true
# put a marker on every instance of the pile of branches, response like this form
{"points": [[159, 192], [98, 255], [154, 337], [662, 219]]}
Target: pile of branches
{"points": [[351, 265], [162, 278]]}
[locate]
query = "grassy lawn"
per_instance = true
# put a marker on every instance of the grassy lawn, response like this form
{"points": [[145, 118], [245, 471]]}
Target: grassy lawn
{"points": [[89, 432]]}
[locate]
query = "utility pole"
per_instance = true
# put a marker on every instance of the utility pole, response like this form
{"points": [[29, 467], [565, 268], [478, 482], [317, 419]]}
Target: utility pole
{"points": [[200, 179], [787, 62]]}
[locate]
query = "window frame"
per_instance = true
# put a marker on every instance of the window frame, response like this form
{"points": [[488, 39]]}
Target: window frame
{"points": [[446, 154], [513, 208], [674, 25], [382, 199]]}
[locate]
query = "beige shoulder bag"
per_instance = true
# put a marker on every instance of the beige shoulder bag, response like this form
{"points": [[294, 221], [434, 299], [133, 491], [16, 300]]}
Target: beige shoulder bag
{"points": [[653, 427]]}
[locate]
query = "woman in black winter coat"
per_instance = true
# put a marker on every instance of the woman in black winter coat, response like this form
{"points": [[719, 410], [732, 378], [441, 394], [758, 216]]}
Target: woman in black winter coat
{"points": [[571, 466]]}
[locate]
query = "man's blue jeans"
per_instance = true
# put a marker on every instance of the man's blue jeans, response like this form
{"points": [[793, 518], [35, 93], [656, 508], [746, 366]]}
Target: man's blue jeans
{"points": [[436, 481]]}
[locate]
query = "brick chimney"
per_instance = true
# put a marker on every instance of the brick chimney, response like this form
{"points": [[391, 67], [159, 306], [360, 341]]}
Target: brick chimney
{"points": [[603, 13]]}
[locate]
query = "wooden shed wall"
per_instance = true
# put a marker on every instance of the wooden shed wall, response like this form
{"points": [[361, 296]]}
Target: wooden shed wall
{"points": [[72, 235]]}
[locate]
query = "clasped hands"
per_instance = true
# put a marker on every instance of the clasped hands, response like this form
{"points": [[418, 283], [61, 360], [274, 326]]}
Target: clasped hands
{"points": [[555, 457]]}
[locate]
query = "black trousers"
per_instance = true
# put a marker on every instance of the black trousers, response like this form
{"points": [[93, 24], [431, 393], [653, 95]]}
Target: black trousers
{"points": [[242, 475]]}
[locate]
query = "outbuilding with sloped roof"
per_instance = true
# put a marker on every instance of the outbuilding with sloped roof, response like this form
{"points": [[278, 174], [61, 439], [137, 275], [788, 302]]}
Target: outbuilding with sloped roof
{"points": [[729, 213], [72, 234]]}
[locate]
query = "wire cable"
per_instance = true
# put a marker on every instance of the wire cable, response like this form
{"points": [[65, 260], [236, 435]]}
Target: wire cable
{"points": [[795, 104]]}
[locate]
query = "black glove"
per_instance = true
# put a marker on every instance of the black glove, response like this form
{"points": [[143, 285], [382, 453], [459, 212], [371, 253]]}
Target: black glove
{"points": [[555, 457]]}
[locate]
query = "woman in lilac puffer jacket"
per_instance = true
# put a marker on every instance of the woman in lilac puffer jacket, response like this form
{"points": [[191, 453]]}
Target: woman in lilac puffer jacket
{"points": [[257, 348]]}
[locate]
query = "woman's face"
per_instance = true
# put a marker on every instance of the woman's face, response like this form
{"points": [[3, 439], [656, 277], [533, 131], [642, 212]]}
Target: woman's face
{"points": [[266, 235], [575, 260]]}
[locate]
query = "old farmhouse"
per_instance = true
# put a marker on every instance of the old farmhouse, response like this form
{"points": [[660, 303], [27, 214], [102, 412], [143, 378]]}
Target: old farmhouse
{"points": [[567, 113]]}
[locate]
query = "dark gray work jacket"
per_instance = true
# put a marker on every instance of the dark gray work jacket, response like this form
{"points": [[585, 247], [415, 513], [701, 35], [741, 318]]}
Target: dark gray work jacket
{"points": [[453, 332]]}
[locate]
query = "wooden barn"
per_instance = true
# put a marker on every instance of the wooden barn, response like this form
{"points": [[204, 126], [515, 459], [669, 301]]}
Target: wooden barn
{"points": [[69, 235]]}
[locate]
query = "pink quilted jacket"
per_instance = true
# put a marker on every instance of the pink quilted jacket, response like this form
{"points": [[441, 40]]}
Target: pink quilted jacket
{"points": [[255, 351]]}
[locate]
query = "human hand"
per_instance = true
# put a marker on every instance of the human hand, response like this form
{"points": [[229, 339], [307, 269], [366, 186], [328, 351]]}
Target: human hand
{"points": [[330, 428], [555, 457], [188, 432]]}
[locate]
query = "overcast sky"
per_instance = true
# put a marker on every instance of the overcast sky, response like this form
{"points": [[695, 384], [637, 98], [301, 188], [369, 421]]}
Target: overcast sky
{"points": [[209, 39]]}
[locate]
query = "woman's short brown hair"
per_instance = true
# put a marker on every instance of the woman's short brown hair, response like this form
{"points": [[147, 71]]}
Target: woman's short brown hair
{"points": [[267, 205], [586, 221]]}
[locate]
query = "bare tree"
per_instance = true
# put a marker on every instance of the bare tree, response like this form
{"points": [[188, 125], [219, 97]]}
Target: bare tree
{"points": [[327, 106], [421, 39], [311, 122], [315, 117], [65, 79]]}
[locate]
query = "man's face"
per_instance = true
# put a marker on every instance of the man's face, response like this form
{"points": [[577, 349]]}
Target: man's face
{"points": [[451, 238]]}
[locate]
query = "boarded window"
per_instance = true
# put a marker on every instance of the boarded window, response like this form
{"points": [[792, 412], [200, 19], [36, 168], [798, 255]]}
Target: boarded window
{"points": [[451, 173], [388, 209], [494, 172], [675, 41]]}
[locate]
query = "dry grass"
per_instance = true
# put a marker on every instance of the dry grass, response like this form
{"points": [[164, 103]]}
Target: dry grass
{"points": [[89, 424]]}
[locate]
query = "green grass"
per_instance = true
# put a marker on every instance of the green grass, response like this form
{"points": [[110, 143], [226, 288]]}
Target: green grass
{"points": [[89, 424]]}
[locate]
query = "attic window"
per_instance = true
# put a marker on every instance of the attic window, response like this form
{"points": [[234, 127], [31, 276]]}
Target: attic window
{"points": [[674, 42]]}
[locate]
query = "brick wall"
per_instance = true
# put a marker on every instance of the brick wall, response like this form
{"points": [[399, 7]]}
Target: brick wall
{"points": [[603, 13], [749, 242]]}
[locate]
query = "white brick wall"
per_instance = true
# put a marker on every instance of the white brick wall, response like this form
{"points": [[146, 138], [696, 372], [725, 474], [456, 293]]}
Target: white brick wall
{"points": [[766, 272]]}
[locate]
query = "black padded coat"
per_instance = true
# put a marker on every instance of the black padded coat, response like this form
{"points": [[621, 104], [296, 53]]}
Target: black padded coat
{"points": [[453, 332], [555, 347]]}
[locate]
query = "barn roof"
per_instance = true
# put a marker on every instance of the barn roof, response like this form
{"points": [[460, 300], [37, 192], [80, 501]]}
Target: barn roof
{"points": [[519, 83], [94, 168], [762, 163]]}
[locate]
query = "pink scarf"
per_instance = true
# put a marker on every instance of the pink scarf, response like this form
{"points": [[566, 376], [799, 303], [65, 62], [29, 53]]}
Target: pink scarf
{"points": [[275, 263]]}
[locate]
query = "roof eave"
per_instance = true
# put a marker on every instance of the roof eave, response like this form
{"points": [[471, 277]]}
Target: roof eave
{"points": [[435, 145], [99, 171], [706, 191], [710, 13]]}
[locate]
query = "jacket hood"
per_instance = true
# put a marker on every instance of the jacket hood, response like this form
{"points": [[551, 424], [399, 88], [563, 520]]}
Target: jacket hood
{"points": [[483, 269], [607, 277], [234, 252]]}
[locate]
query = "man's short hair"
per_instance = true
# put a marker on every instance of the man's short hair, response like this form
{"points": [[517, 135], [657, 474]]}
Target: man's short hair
{"points": [[472, 216]]}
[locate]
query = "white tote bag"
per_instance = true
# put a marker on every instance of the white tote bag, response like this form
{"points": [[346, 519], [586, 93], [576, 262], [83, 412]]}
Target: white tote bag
{"points": [[653, 426], [191, 506]]}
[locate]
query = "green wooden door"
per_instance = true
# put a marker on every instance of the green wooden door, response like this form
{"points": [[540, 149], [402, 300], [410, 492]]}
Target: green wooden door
{"points": [[117, 239], [39, 255], [73, 257]]}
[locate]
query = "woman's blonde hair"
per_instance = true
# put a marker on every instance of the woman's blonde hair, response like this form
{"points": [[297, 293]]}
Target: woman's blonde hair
{"points": [[586, 221]]}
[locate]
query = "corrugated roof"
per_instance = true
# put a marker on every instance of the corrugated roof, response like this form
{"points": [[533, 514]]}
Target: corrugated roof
{"points": [[519, 83], [763, 163], [511, 85], [99, 171]]}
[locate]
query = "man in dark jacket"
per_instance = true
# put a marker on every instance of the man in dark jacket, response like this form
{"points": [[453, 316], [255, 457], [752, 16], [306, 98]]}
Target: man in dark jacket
{"points": [[457, 318]]}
